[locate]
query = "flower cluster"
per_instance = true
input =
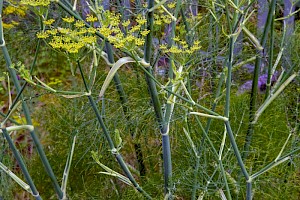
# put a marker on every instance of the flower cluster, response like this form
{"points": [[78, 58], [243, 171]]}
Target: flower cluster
{"points": [[180, 47], [70, 40], [36, 2], [127, 36], [11, 15]]}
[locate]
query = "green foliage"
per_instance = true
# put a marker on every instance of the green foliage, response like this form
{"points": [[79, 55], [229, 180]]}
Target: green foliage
{"points": [[121, 134]]}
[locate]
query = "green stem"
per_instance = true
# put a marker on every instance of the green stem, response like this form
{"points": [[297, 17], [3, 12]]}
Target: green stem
{"points": [[254, 91], [112, 147], [22, 165], [249, 191], [271, 54], [156, 104], [236, 150]]}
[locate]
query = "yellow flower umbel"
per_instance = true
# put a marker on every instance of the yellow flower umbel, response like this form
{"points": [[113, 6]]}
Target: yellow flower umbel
{"points": [[133, 36], [42, 35], [68, 19], [17, 10], [36, 2], [71, 39], [11, 15], [49, 22], [91, 18], [181, 49]]}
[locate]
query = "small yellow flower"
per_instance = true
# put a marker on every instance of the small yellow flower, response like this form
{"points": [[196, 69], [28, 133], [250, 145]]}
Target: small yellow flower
{"points": [[141, 20], [145, 32], [195, 47], [120, 44], [105, 31], [182, 42], [82, 31], [115, 20], [135, 28], [171, 5], [157, 22], [72, 50], [176, 39], [66, 39], [163, 46], [88, 39], [91, 30], [79, 24], [9, 10], [42, 35], [175, 49], [188, 51], [52, 31], [7, 26], [64, 30], [197, 42], [139, 41], [56, 44], [116, 30], [161, 11], [36, 2], [14, 23], [21, 11], [49, 22], [129, 38], [91, 18], [126, 23], [185, 46], [167, 20], [68, 19]]}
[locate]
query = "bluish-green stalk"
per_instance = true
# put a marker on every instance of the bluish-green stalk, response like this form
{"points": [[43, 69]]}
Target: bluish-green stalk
{"points": [[237, 152], [271, 56], [157, 106], [254, 90], [168, 114], [112, 147], [22, 165], [26, 110]]}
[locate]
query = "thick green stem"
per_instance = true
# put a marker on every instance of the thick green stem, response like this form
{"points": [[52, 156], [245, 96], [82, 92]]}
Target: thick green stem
{"points": [[249, 191], [22, 165], [271, 54], [157, 107], [254, 91]]}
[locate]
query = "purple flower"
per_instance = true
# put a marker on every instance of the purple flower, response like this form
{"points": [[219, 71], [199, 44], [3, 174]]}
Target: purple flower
{"points": [[162, 66], [163, 61], [249, 68], [262, 83]]}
